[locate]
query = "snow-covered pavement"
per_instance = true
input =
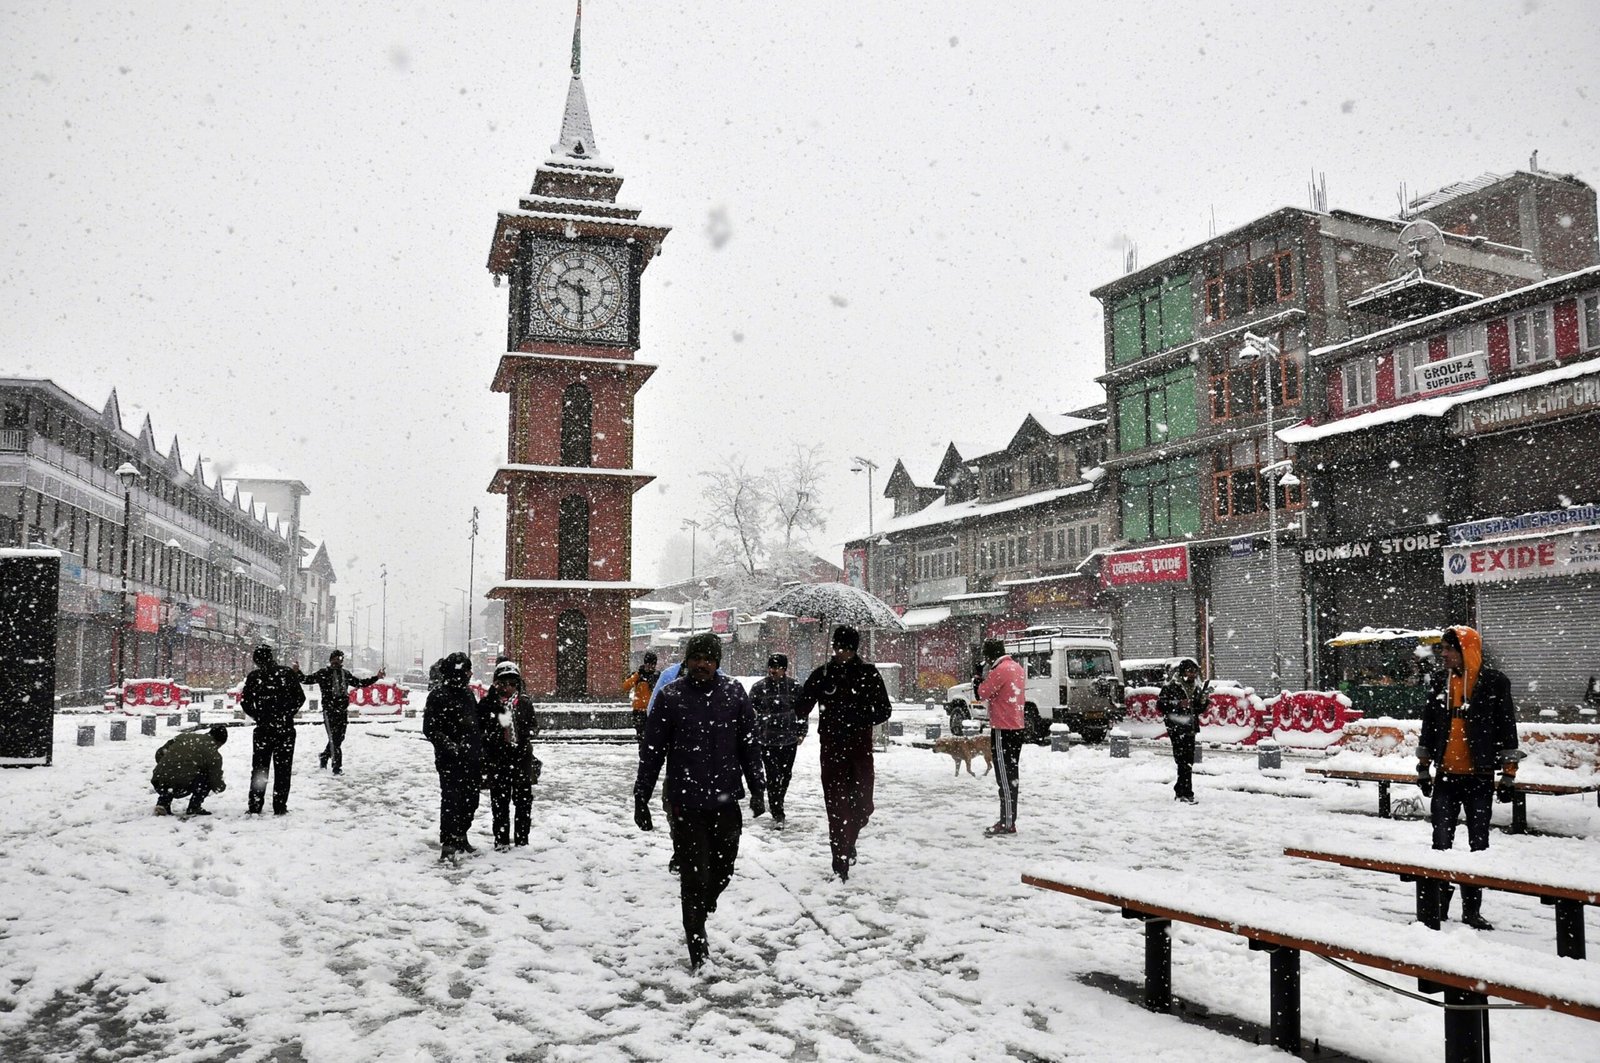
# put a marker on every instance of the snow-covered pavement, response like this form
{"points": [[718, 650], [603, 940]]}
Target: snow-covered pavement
{"points": [[333, 934]]}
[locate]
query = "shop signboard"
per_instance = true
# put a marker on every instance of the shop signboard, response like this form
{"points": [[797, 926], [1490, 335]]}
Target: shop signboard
{"points": [[1158, 564], [1566, 398], [1073, 592], [1504, 561], [146, 613], [1241, 547], [1450, 374], [721, 621], [855, 567], [977, 604], [1358, 549], [1477, 531]]}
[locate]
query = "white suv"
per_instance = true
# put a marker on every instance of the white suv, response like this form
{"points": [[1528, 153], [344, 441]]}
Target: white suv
{"points": [[1071, 679]]}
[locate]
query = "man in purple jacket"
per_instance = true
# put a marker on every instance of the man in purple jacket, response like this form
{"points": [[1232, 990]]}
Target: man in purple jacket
{"points": [[703, 728]]}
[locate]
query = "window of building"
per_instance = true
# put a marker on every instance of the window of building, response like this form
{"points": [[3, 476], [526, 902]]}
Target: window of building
{"points": [[1532, 338], [1407, 357], [1000, 479], [1249, 277], [937, 563], [1156, 409], [1044, 470], [1152, 319], [1469, 339], [1161, 501], [1240, 489], [1002, 552], [1360, 382], [1589, 321], [1070, 542], [1239, 386]]}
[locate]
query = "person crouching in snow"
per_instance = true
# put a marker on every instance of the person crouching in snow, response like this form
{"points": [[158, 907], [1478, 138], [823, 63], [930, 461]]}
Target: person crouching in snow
{"points": [[450, 722], [703, 729], [189, 766], [1004, 689], [509, 722]]}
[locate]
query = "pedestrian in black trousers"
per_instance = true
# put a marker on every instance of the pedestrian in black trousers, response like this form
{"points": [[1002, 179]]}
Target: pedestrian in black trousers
{"points": [[1182, 702], [335, 684], [703, 729], [779, 731], [271, 697], [450, 722], [509, 721]]}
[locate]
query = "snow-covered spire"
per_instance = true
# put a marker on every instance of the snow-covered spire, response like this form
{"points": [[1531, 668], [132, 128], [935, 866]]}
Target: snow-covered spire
{"points": [[577, 45], [577, 133]]}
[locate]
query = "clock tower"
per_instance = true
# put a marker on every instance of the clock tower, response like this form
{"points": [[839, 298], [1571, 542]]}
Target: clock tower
{"points": [[573, 256]]}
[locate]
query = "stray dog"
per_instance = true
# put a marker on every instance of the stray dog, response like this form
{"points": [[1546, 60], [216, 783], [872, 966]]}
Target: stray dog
{"points": [[962, 750]]}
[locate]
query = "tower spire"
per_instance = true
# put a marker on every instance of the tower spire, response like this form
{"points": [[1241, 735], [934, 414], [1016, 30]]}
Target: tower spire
{"points": [[577, 133], [577, 42]]}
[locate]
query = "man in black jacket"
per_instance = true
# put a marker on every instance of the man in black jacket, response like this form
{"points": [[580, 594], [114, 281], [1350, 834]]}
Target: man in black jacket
{"points": [[1182, 702], [271, 697], [703, 729], [450, 722], [1469, 727], [853, 700], [509, 722], [334, 683], [779, 731]]}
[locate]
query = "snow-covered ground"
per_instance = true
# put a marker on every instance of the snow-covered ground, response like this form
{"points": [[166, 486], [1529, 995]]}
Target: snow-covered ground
{"points": [[333, 934]]}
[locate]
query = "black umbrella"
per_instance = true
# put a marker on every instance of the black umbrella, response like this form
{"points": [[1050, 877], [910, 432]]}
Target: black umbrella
{"points": [[837, 603]]}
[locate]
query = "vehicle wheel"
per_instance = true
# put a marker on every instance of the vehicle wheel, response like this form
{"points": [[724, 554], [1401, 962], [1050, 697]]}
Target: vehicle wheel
{"points": [[958, 717], [1033, 728]]}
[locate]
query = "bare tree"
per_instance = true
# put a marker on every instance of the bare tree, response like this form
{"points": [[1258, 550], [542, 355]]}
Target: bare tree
{"points": [[737, 513], [793, 490]]}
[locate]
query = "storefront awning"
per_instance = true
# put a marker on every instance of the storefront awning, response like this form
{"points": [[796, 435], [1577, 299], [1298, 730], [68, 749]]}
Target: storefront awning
{"points": [[917, 619]]}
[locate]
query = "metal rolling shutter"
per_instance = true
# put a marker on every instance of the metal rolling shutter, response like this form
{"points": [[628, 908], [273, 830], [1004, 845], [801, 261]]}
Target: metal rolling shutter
{"points": [[1147, 624], [1241, 620], [1545, 635]]}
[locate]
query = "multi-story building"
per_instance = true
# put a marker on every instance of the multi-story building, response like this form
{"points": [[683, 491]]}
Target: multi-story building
{"points": [[1196, 472], [316, 607], [281, 495], [203, 561], [992, 541]]}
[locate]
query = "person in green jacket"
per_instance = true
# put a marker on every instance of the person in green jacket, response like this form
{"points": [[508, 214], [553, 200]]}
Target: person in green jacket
{"points": [[189, 766]]}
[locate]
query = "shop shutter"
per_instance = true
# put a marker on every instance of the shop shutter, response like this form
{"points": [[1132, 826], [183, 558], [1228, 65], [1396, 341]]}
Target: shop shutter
{"points": [[1545, 635], [1148, 628], [1241, 620]]}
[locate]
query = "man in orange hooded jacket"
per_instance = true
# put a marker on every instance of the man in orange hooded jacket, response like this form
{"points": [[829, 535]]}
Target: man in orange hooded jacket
{"points": [[1469, 727]]}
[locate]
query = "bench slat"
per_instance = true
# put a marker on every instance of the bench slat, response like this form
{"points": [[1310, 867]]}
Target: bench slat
{"points": [[1448, 874]]}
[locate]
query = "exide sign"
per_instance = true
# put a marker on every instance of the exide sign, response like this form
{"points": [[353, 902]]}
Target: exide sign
{"points": [[1563, 555], [1159, 564]]}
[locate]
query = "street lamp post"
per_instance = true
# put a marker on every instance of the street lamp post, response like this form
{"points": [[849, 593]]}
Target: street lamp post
{"points": [[173, 546], [694, 531], [1274, 473], [128, 474], [383, 631], [238, 588], [870, 467], [472, 562]]}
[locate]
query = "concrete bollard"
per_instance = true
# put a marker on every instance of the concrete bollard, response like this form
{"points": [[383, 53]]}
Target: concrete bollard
{"points": [[933, 731], [1060, 738], [119, 731], [216, 704], [1269, 756], [411, 714], [897, 729], [238, 714], [1198, 750], [174, 719], [1117, 744], [147, 725], [86, 734], [312, 705], [194, 714]]}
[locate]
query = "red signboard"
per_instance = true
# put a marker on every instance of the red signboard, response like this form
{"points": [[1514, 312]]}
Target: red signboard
{"points": [[1159, 564], [721, 621], [147, 613]]}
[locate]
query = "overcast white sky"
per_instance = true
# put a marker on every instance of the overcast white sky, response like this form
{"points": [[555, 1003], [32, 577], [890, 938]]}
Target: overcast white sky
{"points": [[268, 223]]}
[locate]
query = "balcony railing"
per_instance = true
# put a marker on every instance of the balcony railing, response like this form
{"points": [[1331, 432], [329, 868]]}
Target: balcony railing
{"points": [[14, 440]]}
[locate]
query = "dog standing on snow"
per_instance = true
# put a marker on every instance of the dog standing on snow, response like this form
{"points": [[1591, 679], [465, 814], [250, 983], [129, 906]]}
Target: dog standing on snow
{"points": [[962, 750]]}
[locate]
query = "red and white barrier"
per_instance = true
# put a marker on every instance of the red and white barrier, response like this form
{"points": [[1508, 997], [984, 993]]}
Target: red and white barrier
{"points": [[383, 697], [1309, 719], [147, 693]]}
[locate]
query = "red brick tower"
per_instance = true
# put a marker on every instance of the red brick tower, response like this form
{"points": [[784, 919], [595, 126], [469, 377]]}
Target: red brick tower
{"points": [[574, 257]]}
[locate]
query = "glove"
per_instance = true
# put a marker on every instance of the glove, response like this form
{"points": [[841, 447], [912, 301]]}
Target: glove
{"points": [[1424, 779], [641, 814], [1505, 788], [758, 805]]}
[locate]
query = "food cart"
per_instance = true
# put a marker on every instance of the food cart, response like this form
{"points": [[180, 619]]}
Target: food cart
{"points": [[1385, 671]]}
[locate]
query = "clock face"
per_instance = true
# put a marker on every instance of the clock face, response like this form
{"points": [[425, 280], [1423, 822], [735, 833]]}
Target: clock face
{"points": [[579, 290]]}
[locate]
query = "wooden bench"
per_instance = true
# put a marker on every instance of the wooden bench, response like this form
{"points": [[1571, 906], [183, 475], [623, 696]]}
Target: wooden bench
{"points": [[1519, 806], [1430, 873], [1466, 972]]}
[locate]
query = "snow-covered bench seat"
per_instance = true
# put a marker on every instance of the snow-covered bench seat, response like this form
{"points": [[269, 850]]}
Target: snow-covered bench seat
{"points": [[1573, 782], [1468, 969]]}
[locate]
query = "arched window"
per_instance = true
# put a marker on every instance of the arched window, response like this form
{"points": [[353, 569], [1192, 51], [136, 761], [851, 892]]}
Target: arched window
{"points": [[572, 654], [572, 538], [577, 426]]}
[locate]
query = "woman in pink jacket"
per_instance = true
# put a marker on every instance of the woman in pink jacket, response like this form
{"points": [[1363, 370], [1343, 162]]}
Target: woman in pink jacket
{"points": [[1004, 689]]}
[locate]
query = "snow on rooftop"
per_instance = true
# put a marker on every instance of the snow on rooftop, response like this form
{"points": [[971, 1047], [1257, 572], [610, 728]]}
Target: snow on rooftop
{"points": [[943, 512], [1439, 197], [1060, 424]]}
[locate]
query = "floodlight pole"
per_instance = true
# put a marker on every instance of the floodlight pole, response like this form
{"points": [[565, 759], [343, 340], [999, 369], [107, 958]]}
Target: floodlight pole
{"points": [[1264, 350]]}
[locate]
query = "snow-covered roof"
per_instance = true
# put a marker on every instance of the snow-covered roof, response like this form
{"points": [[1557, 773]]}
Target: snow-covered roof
{"points": [[1306, 433], [1060, 424], [942, 511], [1439, 197], [926, 616]]}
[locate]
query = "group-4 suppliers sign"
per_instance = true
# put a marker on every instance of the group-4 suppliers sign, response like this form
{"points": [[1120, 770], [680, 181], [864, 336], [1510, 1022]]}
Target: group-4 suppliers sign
{"points": [[1450, 374], [1477, 531], [1501, 562], [1564, 399], [1160, 564]]}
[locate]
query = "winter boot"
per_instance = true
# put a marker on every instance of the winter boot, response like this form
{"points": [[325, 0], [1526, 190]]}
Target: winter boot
{"points": [[1471, 902], [163, 806], [1447, 893], [841, 867]]}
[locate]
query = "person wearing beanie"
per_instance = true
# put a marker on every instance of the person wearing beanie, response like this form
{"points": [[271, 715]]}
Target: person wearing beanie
{"points": [[189, 766], [853, 700], [271, 697], [1004, 688], [779, 731], [1469, 728], [639, 686], [1182, 702], [509, 721], [450, 722], [334, 684]]}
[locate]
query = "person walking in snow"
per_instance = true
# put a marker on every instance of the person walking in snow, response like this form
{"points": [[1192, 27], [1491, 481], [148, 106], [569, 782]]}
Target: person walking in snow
{"points": [[189, 766], [639, 686], [1182, 702], [853, 700], [334, 684], [1469, 727], [1004, 689], [779, 731], [703, 730], [509, 721], [271, 697], [450, 722]]}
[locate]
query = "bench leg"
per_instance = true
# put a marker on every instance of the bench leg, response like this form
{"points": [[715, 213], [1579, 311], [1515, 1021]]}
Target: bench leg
{"points": [[1569, 929], [1285, 982], [1383, 799], [1519, 812], [1157, 965], [1466, 1031]]}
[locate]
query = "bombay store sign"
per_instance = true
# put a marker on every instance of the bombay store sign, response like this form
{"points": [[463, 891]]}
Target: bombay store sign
{"points": [[1565, 399], [1159, 564], [1364, 548], [1501, 562]]}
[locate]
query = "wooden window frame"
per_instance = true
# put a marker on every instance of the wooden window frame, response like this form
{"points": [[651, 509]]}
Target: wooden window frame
{"points": [[1531, 316], [1368, 365], [1588, 334]]}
